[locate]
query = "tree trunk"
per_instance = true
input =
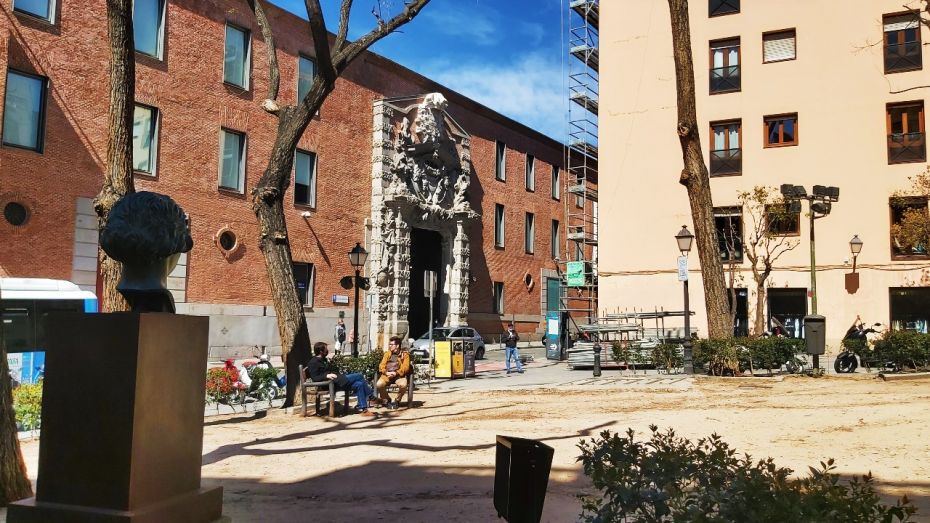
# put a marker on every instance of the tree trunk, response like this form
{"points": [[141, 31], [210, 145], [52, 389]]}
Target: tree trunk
{"points": [[117, 180], [759, 323], [695, 178], [14, 482]]}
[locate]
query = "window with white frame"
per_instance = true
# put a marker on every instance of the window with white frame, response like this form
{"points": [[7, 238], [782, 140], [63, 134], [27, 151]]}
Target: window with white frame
{"points": [[44, 9], [306, 69], [24, 110], [530, 172], [232, 160], [498, 297], [148, 26], [305, 178], [555, 249], [556, 183], [498, 225], [500, 165], [304, 277], [144, 139], [237, 57], [529, 233]]}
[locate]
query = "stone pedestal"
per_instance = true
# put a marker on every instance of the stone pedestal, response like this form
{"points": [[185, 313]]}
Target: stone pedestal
{"points": [[122, 421]]}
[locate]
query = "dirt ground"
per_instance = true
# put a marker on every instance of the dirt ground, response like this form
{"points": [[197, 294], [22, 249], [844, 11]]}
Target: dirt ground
{"points": [[436, 462]]}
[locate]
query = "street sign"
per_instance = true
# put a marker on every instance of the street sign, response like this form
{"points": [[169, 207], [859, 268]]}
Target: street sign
{"points": [[429, 284], [574, 274], [682, 268]]}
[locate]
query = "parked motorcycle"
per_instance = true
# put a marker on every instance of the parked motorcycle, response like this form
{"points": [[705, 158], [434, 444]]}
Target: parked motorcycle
{"points": [[846, 362], [261, 389]]}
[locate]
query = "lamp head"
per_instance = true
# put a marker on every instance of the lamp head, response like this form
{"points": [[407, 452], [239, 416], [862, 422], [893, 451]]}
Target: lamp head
{"points": [[684, 239], [358, 256], [855, 245]]}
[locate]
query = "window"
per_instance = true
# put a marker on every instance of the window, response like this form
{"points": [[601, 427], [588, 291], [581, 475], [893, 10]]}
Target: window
{"points": [[726, 153], [554, 250], [787, 308], [910, 308], [305, 178], [236, 60], [723, 7], [24, 110], [779, 46], [148, 26], [781, 130], [781, 222], [529, 233], [556, 183], [306, 69], [500, 170], [304, 276], [579, 201], [498, 225], [44, 9], [906, 137], [902, 47], [729, 224], [530, 173], [232, 160], [579, 251], [498, 297], [724, 66], [909, 225], [144, 139]]}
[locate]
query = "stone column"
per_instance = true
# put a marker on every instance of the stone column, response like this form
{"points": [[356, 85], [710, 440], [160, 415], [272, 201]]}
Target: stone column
{"points": [[459, 276]]}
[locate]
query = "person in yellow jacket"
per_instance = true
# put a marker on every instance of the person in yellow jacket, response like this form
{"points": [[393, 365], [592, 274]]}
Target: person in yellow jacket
{"points": [[394, 368]]}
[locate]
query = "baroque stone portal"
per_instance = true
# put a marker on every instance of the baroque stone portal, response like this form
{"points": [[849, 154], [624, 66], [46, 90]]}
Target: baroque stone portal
{"points": [[420, 177]]}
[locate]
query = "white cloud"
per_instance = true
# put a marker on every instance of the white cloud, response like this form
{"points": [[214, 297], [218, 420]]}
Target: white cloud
{"points": [[529, 89], [478, 24], [534, 32]]}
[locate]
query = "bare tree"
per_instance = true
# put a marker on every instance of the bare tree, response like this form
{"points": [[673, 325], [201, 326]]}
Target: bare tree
{"points": [[764, 241], [117, 178], [695, 178], [268, 195]]}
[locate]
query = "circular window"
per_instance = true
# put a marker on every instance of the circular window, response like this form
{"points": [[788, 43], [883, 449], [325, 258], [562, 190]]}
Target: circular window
{"points": [[15, 213], [227, 240], [528, 281]]}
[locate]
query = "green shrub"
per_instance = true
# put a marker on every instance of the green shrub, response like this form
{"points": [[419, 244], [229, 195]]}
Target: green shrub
{"points": [[27, 404], [904, 349], [365, 364], [717, 356], [667, 356], [263, 377], [670, 478], [732, 356]]}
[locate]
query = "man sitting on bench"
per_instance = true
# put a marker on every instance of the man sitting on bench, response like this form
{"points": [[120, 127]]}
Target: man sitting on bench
{"points": [[355, 381], [394, 369]]}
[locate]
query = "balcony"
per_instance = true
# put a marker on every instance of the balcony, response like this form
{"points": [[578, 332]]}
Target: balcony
{"points": [[724, 79], [903, 57], [907, 147], [726, 162]]}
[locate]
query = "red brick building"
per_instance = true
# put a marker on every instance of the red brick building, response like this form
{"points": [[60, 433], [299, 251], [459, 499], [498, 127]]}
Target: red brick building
{"points": [[196, 130]]}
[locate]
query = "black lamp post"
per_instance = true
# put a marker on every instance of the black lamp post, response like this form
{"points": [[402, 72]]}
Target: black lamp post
{"points": [[684, 239], [357, 257]]}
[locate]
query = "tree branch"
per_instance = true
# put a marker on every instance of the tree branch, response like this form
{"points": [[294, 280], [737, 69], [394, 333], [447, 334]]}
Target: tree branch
{"points": [[343, 24], [274, 75], [345, 56], [320, 36]]}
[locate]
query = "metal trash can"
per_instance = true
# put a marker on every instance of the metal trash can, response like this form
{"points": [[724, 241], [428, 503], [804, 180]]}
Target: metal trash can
{"points": [[521, 476], [469, 356], [815, 334]]}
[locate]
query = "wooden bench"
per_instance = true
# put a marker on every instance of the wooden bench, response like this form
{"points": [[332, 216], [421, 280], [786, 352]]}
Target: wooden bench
{"points": [[394, 388], [320, 390]]}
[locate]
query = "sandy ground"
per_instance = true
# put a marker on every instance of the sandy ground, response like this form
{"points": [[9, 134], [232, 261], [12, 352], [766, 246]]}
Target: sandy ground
{"points": [[436, 462]]}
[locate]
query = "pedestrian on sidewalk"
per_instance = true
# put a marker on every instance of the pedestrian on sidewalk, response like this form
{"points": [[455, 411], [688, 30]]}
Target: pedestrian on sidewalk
{"points": [[510, 348], [339, 335]]}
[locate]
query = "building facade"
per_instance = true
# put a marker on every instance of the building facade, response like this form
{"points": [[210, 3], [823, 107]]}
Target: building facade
{"points": [[854, 78], [487, 221]]}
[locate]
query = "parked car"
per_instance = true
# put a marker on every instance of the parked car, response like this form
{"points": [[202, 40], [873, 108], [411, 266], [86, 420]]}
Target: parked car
{"points": [[420, 347]]}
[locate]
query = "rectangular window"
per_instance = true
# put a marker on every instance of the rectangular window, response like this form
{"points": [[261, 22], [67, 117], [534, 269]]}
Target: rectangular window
{"points": [[910, 308], [500, 165], [148, 26], [529, 233], [781, 130], [555, 250], [24, 110], [726, 152], [729, 224], [787, 308], [498, 297], [530, 172], [306, 70], [906, 137], [902, 47], [305, 178], [44, 9], [556, 183], [144, 139], [304, 276], [724, 66], [232, 160], [579, 201], [237, 57], [498, 225], [781, 221], [779, 46], [579, 251], [722, 7], [910, 222]]}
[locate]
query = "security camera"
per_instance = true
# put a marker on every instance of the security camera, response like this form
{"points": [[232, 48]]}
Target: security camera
{"points": [[305, 214]]}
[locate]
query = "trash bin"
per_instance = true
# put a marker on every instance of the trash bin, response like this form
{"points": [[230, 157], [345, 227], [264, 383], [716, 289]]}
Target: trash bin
{"points": [[469, 352], [815, 336], [443, 359], [521, 476], [458, 359]]}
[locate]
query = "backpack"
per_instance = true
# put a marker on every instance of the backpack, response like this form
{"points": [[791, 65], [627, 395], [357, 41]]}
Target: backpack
{"points": [[340, 333]]}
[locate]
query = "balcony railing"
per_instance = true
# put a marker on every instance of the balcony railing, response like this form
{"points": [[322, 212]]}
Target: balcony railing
{"points": [[724, 79], [726, 161], [907, 147], [903, 57], [722, 7]]}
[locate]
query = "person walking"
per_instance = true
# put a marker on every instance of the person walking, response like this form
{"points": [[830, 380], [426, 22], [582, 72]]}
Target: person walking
{"points": [[510, 348], [339, 335]]}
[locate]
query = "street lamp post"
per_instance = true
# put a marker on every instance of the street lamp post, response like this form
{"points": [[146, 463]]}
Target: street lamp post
{"points": [[855, 247], [684, 239], [357, 257]]}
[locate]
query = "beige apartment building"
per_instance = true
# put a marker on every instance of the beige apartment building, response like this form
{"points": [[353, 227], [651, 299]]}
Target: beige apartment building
{"points": [[852, 74]]}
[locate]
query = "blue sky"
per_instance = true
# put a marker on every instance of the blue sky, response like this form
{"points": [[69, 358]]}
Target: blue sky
{"points": [[505, 54]]}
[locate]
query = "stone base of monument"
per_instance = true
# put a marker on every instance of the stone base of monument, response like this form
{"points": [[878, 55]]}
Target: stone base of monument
{"points": [[122, 422]]}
